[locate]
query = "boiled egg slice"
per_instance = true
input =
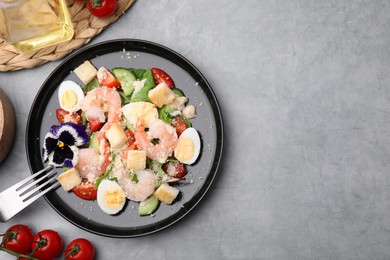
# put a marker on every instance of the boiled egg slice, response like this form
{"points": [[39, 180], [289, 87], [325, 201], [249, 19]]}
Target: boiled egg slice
{"points": [[188, 146], [70, 95], [110, 197]]}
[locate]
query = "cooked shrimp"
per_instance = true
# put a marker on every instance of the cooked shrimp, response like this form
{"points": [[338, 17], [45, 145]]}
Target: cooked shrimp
{"points": [[100, 101], [95, 105], [142, 189], [160, 130], [90, 164], [105, 153]]}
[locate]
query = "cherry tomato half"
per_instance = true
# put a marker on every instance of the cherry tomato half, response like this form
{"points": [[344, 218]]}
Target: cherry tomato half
{"points": [[64, 116], [161, 76], [85, 190], [18, 238], [175, 169], [80, 249], [47, 244], [104, 76], [179, 125], [130, 136], [94, 124]]}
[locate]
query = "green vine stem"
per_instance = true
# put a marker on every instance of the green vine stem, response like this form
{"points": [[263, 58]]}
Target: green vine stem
{"points": [[17, 254]]}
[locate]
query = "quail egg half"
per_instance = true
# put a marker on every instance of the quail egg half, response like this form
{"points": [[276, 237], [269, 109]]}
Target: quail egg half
{"points": [[110, 197], [187, 148], [70, 96]]}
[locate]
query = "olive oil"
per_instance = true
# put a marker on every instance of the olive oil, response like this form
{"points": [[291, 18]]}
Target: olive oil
{"points": [[34, 24]]}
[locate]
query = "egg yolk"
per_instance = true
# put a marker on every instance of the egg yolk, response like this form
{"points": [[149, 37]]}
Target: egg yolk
{"points": [[184, 149], [69, 99], [113, 198]]}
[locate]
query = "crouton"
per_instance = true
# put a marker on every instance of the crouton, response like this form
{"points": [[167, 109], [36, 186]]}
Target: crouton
{"points": [[86, 72], [69, 179], [136, 160], [161, 95], [166, 193], [116, 137]]}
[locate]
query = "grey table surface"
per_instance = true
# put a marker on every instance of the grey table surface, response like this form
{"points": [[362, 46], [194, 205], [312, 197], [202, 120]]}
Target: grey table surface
{"points": [[304, 92]]}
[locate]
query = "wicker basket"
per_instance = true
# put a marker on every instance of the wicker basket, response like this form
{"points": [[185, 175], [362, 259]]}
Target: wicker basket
{"points": [[86, 26]]}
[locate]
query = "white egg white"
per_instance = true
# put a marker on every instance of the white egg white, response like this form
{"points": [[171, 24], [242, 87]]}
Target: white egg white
{"points": [[193, 135], [69, 85], [104, 186]]}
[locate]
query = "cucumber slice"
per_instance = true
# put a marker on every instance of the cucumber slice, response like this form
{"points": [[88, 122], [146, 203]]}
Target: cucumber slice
{"points": [[83, 118], [126, 78], [178, 92], [148, 206], [91, 85], [93, 141]]}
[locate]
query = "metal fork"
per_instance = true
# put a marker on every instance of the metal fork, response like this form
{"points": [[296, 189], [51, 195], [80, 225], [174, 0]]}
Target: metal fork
{"points": [[25, 192]]}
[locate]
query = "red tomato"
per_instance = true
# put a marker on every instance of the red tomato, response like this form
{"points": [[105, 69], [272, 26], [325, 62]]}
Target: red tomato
{"points": [[80, 249], [64, 116], [94, 124], [131, 147], [104, 76], [179, 125], [85, 190], [161, 76], [175, 169], [103, 9], [47, 245], [130, 136], [18, 238]]}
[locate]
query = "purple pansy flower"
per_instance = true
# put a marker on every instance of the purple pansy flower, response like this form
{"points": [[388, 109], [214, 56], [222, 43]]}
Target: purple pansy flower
{"points": [[61, 144]]}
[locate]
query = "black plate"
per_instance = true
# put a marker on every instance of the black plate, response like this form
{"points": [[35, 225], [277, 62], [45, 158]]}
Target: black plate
{"points": [[137, 54]]}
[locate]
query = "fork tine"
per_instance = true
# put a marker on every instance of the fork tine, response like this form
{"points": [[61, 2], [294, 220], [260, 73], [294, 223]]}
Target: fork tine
{"points": [[30, 200], [25, 188], [54, 186], [27, 195], [20, 184]]}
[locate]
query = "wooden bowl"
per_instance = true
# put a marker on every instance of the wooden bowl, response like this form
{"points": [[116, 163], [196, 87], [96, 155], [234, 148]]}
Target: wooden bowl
{"points": [[7, 125]]}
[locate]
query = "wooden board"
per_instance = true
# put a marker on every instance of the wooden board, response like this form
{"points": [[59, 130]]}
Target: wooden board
{"points": [[7, 125]]}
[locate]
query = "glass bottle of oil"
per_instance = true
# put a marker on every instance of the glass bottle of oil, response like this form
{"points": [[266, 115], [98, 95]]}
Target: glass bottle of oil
{"points": [[34, 24]]}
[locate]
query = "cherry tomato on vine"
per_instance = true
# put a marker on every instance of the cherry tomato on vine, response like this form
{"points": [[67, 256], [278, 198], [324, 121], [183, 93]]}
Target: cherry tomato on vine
{"points": [[85, 190], [102, 8], [161, 76], [18, 238], [80, 249], [47, 245]]}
